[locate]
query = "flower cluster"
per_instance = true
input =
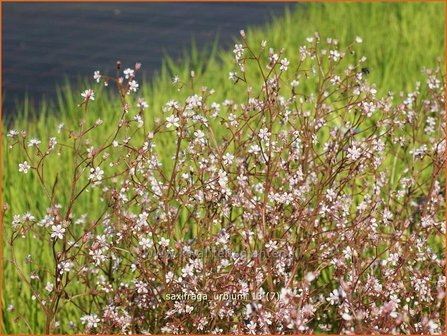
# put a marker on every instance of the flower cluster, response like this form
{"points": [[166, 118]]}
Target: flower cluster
{"points": [[314, 201]]}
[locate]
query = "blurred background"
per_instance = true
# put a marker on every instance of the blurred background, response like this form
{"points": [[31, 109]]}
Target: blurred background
{"points": [[45, 44]]}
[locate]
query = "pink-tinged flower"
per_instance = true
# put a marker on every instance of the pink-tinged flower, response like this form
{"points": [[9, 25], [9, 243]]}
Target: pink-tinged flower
{"points": [[88, 95], [354, 152], [142, 104], [141, 287], [24, 167]]}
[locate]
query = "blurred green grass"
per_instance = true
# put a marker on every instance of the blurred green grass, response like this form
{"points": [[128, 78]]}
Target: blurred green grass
{"points": [[399, 39]]}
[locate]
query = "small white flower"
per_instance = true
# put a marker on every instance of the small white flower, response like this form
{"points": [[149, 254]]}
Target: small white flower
{"points": [[52, 143], [232, 76], [139, 119], [133, 86], [172, 120], [65, 267], [224, 262], [164, 242], [346, 317], [88, 94], [188, 270], [129, 73], [252, 327], [228, 158], [348, 252], [97, 76], [254, 149], [141, 287], [334, 55], [96, 175], [146, 243], [264, 134], [28, 217], [142, 104], [238, 51], [91, 321], [58, 232], [194, 101], [24, 167], [33, 142], [273, 58], [310, 277], [284, 64], [12, 133], [200, 137], [358, 39], [169, 276], [294, 83], [354, 152], [60, 127], [199, 134], [433, 82], [47, 221], [335, 80], [333, 297], [49, 287]]}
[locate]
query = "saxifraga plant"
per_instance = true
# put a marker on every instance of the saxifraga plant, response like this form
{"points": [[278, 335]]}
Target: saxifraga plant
{"points": [[311, 206]]}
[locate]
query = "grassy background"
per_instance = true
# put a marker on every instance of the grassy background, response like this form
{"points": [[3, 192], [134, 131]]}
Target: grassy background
{"points": [[399, 39]]}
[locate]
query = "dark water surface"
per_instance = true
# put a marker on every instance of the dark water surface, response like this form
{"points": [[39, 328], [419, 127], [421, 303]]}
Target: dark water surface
{"points": [[44, 43]]}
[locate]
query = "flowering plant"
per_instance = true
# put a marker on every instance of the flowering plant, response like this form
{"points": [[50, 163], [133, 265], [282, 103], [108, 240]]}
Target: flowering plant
{"points": [[315, 204]]}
